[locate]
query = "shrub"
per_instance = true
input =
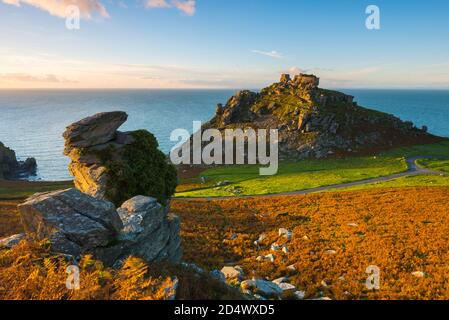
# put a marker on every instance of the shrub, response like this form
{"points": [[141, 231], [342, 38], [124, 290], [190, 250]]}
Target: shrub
{"points": [[142, 169]]}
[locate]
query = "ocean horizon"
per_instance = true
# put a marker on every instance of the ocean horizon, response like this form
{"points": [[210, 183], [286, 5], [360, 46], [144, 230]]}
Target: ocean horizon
{"points": [[32, 120]]}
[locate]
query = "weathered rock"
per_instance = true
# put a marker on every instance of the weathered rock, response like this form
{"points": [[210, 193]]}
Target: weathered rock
{"points": [[264, 288], [12, 241], [149, 231], [285, 78], [97, 129], [278, 281], [288, 290], [285, 233], [112, 165], [232, 273], [74, 222]]}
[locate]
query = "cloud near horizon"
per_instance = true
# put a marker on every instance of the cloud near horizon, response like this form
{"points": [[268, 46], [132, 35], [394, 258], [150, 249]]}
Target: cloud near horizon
{"points": [[24, 77], [58, 8], [186, 6]]}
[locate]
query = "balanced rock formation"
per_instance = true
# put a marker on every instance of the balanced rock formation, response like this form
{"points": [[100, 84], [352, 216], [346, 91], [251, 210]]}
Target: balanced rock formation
{"points": [[314, 122], [76, 223], [116, 166], [11, 168]]}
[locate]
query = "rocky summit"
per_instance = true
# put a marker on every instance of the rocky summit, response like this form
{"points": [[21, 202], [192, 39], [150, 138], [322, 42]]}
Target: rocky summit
{"points": [[11, 168], [75, 223], [315, 122], [116, 166]]}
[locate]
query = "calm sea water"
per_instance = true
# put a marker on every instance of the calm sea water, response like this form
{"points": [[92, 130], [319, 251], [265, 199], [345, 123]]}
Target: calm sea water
{"points": [[31, 122]]}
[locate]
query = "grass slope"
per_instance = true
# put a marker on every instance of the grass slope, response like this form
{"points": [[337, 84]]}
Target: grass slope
{"points": [[292, 176], [306, 174]]}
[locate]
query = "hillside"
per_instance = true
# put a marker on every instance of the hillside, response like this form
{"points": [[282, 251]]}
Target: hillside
{"points": [[315, 122]]}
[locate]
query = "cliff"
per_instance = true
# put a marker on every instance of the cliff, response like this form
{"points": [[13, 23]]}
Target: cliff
{"points": [[11, 168], [315, 122]]}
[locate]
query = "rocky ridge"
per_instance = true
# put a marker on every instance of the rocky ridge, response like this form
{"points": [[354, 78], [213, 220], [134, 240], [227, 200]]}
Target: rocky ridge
{"points": [[314, 122]]}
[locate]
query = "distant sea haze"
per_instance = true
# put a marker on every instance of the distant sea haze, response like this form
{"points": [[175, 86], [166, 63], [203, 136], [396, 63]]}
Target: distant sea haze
{"points": [[32, 121]]}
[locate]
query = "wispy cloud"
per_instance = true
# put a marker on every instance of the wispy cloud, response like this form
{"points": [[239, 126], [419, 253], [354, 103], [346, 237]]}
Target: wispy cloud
{"points": [[58, 8], [24, 77], [271, 54], [186, 6]]}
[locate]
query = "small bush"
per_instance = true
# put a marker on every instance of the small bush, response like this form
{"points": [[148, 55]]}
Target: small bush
{"points": [[142, 170]]}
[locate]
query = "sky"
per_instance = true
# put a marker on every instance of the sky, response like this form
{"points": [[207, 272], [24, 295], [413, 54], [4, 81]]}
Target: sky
{"points": [[222, 43]]}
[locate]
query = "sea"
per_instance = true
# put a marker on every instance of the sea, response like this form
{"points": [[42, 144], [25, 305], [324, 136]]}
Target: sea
{"points": [[32, 121]]}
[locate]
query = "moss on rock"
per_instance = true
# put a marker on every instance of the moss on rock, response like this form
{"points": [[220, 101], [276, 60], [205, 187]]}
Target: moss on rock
{"points": [[141, 169]]}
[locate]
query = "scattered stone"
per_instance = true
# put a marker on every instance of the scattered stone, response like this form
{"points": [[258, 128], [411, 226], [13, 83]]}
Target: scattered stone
{"points": [[353, 225], [285, 233], [264, 288], [233, 273], [325, 283], [270, 257], [418, 274], [330, 252], [291, 267], [288, 290], [278, 281], [12, 241], [305, 238], [275, 247], [285, 249], [299, 295]]}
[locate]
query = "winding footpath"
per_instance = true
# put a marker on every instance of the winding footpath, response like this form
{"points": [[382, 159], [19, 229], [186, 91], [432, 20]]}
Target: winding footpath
{"points": [[413, 169]]}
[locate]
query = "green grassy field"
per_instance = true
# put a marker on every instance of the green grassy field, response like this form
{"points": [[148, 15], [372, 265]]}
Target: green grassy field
{"points": [[307, 174], [437, 165]]}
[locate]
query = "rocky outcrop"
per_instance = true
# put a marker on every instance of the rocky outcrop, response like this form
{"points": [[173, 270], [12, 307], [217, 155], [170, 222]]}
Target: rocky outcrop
{"points": [[314, 122], [113, 165], [11, 168], [76, 224]]}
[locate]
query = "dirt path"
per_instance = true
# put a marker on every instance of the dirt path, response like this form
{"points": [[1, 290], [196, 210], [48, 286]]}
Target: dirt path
{"points": [[413, 169]]}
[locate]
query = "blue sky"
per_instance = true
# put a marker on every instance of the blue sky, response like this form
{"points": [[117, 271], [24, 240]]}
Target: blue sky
{"points": [[223, 43]]}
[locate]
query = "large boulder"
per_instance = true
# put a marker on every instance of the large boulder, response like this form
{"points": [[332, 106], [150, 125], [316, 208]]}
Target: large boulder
{"points": [[116, 166], [73, 222], [149, 231], [76, 223]]}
